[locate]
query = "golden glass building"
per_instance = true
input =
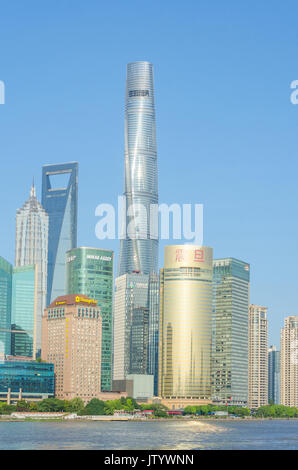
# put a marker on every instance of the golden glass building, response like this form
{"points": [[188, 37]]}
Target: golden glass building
{"points": [[185, 323]]}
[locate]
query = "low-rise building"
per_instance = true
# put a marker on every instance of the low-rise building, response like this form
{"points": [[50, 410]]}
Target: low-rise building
{"points": [[138, 386], [23, 378]]}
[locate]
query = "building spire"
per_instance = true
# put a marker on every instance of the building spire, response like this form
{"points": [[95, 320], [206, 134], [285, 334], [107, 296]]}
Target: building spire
{"points": [[33, 192]]}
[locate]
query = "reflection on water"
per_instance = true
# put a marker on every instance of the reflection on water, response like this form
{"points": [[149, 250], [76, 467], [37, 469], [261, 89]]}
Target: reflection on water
{"points": [[203, 426], [176, 435]]}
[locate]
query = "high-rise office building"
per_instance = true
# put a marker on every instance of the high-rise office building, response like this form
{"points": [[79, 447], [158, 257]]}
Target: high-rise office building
{"points": [[71, 340], [89, 271], [131, 336], [273, 375], [257, 356], [60, 201], [32, 226], [139, 341], [289, 362], [185, 323], [230, 331], [23, 311], [18, 303], [139, 244], [153, 328], [139, 251], [5, 306]]}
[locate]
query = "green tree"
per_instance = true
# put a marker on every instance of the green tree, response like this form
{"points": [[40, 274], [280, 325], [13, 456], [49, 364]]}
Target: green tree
{"points": [[75, 405], [231, 410], [242, 411], [109, 408], [160, 413], [95, 407], [204, 410], [23, 405], [136, 406], [290, 411], [280, 410], [129, 404], [7, 409], [190, 410], [51, 404], [33, 406]]}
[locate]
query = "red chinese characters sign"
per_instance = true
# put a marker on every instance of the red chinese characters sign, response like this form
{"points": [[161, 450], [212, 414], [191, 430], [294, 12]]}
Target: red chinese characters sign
{"points": [[179, 255], [198, 255]]}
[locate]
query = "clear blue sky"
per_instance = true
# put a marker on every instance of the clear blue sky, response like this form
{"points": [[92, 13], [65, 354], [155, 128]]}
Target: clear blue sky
{"points": [[227, 131]]}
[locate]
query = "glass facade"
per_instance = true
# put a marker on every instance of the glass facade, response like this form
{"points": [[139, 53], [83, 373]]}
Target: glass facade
{"points": [[139, 337], [139, 252], [89, 271], [153, 328], [273, 375], [185, 322], [32, 226], [60, 201], [5, 305], [32, 377], [131, 304], [230, 331], [23, 311]]}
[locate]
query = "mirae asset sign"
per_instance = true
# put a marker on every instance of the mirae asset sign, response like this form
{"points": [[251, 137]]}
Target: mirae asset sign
{"points": [[2, 92]]}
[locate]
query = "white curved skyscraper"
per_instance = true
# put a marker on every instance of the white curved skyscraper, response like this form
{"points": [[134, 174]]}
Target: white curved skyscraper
{"points": [[32, 225], [139, 252]]}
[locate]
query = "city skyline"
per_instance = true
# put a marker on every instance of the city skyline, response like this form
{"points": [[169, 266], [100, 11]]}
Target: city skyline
{"points": [[257, 137], [72, 168]]}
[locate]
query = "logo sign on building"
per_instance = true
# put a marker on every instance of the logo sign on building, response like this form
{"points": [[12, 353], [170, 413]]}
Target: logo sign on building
{"points": [[87, 301], [188, 256], [184, 255], [99, 258]]}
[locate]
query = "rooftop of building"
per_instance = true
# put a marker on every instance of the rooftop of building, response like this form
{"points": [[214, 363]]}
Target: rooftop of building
{"points": [[90, 248], [230, 259], [73, 299], [17, 358], [260, 307], [60, 164], [32, 204]]}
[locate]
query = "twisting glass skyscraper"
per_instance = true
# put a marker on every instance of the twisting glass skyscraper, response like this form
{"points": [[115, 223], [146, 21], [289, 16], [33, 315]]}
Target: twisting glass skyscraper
{"points": [[139, 252]]}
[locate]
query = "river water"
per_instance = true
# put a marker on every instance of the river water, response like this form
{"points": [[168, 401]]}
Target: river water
{"points": [[159, 435]]}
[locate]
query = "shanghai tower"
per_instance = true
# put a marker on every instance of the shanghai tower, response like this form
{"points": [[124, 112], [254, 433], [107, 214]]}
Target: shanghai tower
{"points": [[139, 248]]}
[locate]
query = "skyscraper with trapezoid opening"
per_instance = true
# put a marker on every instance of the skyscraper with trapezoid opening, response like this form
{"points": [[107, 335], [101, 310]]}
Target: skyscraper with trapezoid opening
{"points": [[60, 200]]}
